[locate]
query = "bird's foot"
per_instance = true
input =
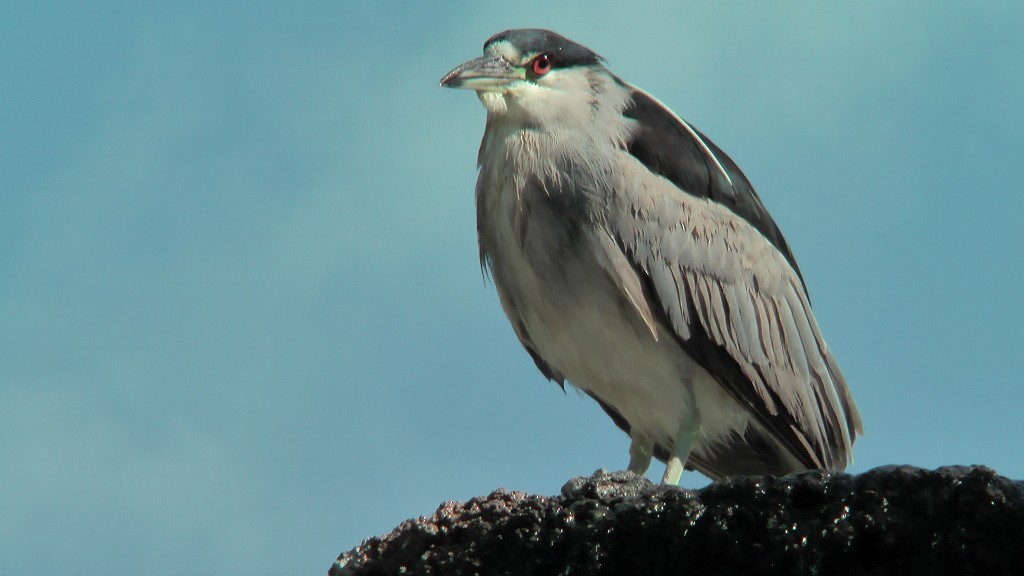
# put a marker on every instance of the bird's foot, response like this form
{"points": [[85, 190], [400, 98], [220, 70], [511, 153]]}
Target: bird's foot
{"points": [[686, 439], [640, 450]]}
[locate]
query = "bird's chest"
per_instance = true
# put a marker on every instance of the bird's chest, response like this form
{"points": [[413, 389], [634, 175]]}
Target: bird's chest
{"points": [[546, 262], [551, 287], [532, 215], [534, 224]]}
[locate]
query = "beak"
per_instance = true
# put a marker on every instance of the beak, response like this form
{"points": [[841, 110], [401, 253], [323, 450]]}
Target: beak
{"points": [[488, 73]]}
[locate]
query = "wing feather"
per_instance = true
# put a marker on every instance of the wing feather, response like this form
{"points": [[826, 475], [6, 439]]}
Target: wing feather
{"points": [[737, 306], [672, 148]]}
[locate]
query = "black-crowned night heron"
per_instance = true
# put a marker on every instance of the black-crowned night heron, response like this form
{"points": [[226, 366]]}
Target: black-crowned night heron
{"points": [[635, 261]]}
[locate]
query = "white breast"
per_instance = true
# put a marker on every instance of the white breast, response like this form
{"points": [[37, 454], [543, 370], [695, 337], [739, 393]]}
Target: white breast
{"points": [[551, 282]]}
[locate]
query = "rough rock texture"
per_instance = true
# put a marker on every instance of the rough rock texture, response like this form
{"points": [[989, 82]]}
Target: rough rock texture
{"points": [[892, 520]]}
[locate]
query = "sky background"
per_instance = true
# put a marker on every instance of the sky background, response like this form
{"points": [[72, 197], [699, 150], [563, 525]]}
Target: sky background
{"points": [[242, 324]]}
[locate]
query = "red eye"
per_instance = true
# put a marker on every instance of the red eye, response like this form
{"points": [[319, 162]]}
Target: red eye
{"points": [[542, 65]]}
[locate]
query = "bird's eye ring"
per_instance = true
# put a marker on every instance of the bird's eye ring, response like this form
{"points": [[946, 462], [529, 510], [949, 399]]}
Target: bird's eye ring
{"points": [[541, 65]]}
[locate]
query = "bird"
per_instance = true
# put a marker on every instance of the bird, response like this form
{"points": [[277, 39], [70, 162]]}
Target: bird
{"points": [[635, 262]]}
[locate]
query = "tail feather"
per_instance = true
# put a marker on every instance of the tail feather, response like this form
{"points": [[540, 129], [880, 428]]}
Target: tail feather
{"points": [[754, 452]]}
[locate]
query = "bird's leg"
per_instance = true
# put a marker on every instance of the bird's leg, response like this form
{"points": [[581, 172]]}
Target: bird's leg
{"points": [[686, 439], [640, 450]]}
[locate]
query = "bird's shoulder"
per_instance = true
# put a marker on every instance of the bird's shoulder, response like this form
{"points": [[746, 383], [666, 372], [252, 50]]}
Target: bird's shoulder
{"points": [[673, 149]]}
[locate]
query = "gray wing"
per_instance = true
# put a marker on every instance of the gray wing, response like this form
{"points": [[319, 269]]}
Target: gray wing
{"points": [[737, 307], [670, 147]]}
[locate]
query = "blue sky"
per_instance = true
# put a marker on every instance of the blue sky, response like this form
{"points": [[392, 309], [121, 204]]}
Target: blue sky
{"points": [[242, 325]]}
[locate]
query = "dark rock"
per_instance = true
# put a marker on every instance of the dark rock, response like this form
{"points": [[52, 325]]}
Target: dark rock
{"points": [[891, 520]]}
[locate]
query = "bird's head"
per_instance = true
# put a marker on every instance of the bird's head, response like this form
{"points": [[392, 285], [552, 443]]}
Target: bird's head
{"points": [[532, 75]]}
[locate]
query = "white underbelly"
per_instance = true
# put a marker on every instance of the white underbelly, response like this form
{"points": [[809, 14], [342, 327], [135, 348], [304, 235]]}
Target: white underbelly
{"points": [[584, 329]]}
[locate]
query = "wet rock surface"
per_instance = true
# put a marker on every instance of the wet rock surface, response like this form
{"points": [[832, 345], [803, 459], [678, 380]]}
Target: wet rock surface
{"points": [[891, 520]]}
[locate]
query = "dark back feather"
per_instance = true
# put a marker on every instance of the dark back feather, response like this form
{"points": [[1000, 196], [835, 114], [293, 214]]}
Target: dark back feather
{"points": [[668, 149]]}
